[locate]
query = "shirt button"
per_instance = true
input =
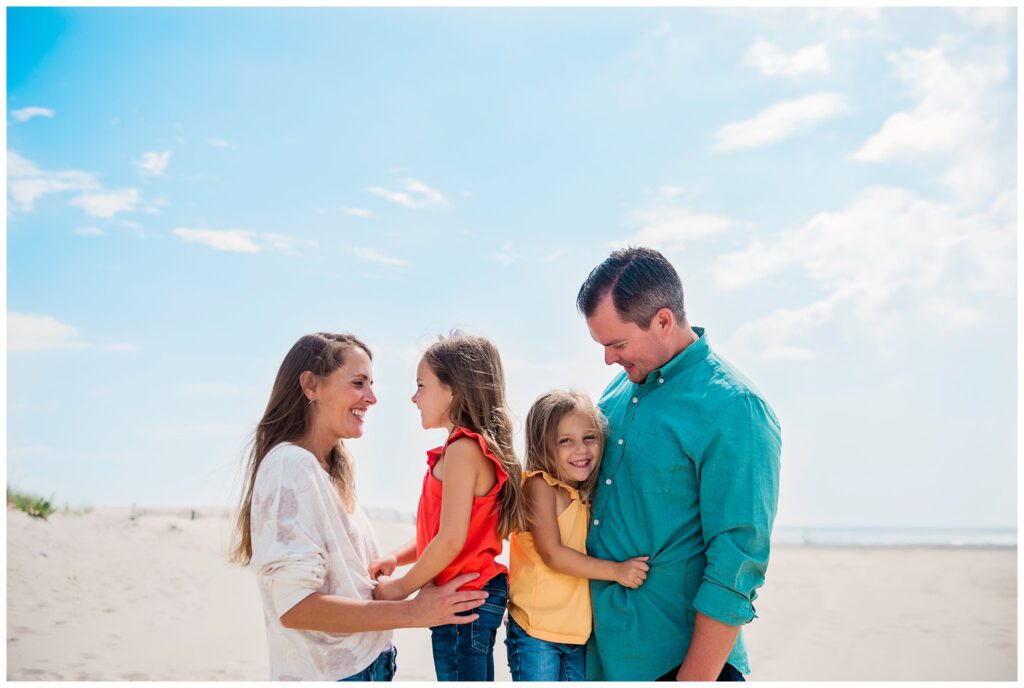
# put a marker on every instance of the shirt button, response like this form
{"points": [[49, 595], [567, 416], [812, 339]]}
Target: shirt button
{"points": [[608, 481], [661, 380], [635, 400], [621, 441], [597, 521]]}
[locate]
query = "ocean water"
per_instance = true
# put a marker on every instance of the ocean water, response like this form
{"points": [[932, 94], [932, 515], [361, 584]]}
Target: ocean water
{"points": [[812, 536], [895, 537]]}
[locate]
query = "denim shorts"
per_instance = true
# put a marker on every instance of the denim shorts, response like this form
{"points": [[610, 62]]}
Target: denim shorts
{"points": [[533, 659], [382, 669], [465, 652]]}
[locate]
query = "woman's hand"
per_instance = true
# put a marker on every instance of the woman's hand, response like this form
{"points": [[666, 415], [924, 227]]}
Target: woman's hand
{"points": [[385, 566], [633, 572], [390, 590], [438, 606]]}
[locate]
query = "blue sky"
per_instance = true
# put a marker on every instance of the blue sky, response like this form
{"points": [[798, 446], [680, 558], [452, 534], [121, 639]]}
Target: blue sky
{"points": [[191, 190]]}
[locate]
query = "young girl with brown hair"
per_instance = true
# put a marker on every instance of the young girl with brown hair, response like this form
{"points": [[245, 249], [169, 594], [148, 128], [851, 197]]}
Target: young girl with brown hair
{"points": [[471, 499]]}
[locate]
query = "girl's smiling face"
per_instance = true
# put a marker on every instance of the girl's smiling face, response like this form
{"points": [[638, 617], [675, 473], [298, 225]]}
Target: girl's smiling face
{"points": [[577, 446], [433, 398]]}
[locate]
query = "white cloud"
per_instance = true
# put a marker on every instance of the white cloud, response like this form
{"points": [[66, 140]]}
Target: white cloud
{"points": [[154, 162], [555, 255], [242, 240], [377, 257], [951, 316], [662, 222], [887, 245], [779, 121], [959, 107], [108, 203], [771, 337], [89, 231], [218, 142], [40, 332], [507, 255], [357, 212], [987, 16], [25, 114], [239, 240], [771, 61], [416, 194], [27, 183]]}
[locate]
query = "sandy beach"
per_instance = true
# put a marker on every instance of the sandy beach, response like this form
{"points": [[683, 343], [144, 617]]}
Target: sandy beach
{"points": [[121, 594]]}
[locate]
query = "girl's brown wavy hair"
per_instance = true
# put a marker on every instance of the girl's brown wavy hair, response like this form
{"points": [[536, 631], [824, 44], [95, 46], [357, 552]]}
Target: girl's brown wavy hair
{"points": [[470, 367]]}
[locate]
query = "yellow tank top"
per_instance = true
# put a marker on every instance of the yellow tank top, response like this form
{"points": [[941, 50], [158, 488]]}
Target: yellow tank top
{"points": [[547, 604]]}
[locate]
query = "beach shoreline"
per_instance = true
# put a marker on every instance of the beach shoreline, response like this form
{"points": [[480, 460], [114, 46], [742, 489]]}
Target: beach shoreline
{"points": [[133, 593]]}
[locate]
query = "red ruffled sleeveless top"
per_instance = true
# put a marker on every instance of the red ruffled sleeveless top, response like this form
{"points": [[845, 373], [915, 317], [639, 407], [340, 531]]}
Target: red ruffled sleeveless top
{"points": [[482, 542]]}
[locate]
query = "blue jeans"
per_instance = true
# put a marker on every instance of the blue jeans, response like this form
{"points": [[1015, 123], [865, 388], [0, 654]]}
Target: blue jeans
{"points": [[382, 669], [465, 652], [532, 659]]}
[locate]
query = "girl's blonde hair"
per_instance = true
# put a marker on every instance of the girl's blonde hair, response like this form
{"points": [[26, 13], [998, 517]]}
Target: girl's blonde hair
{"points": [[288, 417], [542, 432], [471, 368]]}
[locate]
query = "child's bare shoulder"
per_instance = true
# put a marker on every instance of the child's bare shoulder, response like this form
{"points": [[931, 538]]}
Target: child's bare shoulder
{"points": [[536, 487], [466, 451]]}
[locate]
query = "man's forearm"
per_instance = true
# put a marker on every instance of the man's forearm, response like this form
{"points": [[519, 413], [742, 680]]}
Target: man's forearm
{"points": [[710, 647]]}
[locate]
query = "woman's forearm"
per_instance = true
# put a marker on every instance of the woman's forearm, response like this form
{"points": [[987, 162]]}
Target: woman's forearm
{"points": [[336, 614]]}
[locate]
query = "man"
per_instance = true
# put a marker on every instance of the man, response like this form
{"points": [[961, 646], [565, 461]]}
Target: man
{"points": [[690, 477]]}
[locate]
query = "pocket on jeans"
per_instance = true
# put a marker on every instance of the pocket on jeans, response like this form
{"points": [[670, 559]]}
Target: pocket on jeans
{"points": [[483, 630]]}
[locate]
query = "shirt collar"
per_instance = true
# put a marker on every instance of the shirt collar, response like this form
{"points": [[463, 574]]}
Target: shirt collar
{"points": [[696, 351]]}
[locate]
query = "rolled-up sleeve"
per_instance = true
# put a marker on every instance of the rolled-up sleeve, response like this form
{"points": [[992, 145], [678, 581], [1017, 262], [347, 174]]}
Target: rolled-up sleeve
{"points": [[289, 556], [738, 471]]}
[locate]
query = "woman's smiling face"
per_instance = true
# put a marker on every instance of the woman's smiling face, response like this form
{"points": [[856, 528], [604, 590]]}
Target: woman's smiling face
{"points": [[344, 396]]}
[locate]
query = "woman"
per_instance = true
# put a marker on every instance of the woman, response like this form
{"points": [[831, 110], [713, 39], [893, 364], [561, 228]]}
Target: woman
{"points": [[304, 534]]}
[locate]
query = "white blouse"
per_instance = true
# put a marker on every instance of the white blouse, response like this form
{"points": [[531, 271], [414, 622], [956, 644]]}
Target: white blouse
{"points": [[303, 541]]}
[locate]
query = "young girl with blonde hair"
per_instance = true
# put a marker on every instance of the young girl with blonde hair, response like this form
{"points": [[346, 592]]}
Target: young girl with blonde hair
{"points": [[471, 499], [549, 595]]}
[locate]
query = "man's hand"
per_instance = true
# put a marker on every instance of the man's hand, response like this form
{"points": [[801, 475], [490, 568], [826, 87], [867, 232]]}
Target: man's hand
{"points": [[437, 606]]}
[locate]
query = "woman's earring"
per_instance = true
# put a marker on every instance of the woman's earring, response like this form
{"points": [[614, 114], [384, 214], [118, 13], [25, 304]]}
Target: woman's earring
{"points": [[311, 400]]}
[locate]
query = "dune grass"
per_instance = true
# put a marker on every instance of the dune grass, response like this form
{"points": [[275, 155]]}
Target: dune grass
{"points": [[37, 507]]}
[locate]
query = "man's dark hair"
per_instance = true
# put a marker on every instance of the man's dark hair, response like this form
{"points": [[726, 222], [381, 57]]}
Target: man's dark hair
{"points": [[641, 282]]}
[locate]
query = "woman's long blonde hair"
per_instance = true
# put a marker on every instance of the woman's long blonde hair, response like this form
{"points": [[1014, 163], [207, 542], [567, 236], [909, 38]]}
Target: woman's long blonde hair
{"points": [[471, 368], [542, 432], [288, 418]]}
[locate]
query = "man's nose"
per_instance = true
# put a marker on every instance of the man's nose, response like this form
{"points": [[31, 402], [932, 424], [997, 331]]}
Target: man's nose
{"points": [[610, 356]]}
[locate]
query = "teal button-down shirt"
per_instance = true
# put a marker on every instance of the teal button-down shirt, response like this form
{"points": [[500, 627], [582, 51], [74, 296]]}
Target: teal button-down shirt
{"points": [[689, 477]]}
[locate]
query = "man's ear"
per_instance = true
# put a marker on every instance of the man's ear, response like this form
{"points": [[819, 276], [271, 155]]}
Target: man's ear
{"points": [[664, 320], [308, 382]]}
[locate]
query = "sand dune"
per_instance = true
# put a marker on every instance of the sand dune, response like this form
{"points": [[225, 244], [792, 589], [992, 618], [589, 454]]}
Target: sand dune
{"points": [[105, 596]]}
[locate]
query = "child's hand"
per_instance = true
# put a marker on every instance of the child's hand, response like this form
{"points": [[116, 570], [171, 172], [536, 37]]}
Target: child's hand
{"points": [[384, 566], [633, 572], [390, 590]]}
